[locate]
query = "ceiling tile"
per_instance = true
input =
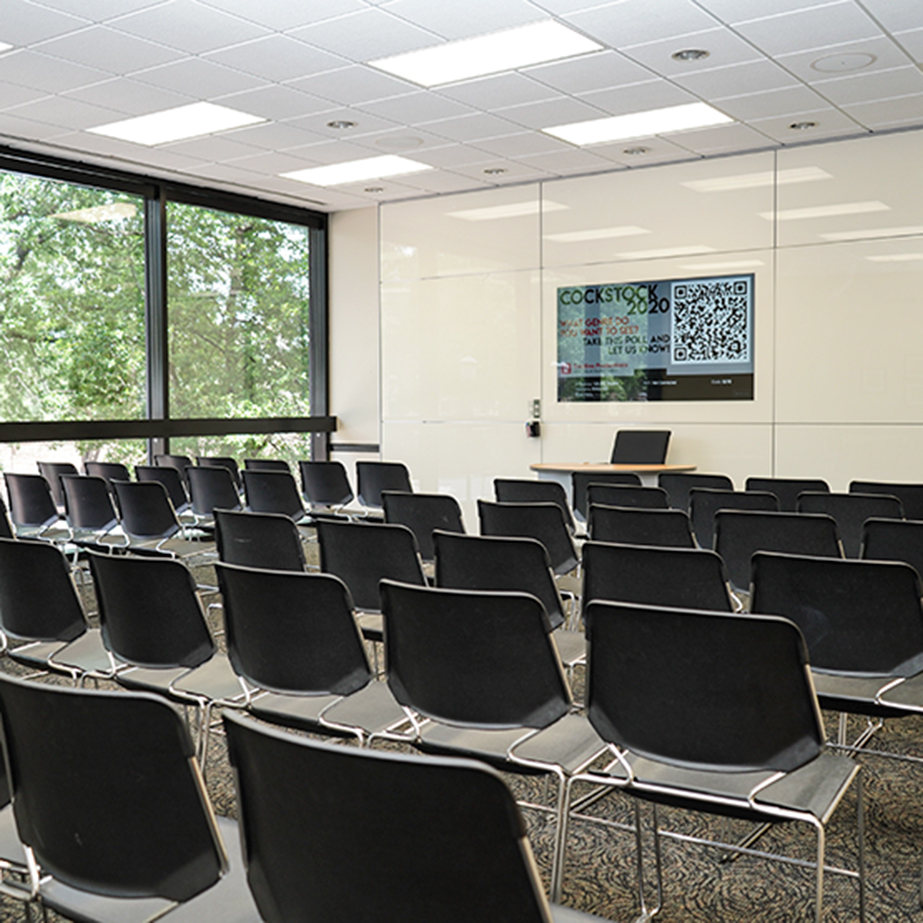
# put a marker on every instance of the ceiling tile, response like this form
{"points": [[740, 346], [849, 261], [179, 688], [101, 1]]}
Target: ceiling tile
{"points": [[721, 139], [516, 172], [16, 127], [658, 150], [268, 162], [129, 96], [31, 69], [836, 23], [912, 43], [563, 7], [454, 21], [522, 145], [281, 15], [366, 123], [888, 113], [558, 111], [276, 57], [886, 51], [733, 11], [99, 10], [189, 26], [500, 90], [275, 136], [723, 46], [353, 85], [473, 127], [453, 155], [788, 101], [24, 23], [590, 72], [368, 34], [442, 181], [830, 123], [896, 15], [415, 108], [636, 21], [324, 152], [68, 113], [275, 102], [863, 88], [654, 94], [209, 79], [569, 162], [106, 49], [754, 77], [13, 95], [401, 139], [214, 148]]}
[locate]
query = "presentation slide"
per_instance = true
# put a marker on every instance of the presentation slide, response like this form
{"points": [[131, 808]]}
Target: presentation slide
{"points": [[670, 340]]}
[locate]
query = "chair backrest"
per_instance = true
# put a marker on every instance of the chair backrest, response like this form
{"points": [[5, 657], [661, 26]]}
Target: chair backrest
{"points": [[171, 479], [88, 503], [362, 554], [741, 533], [894, 540], [787, 489], [325, 484], [221, 461], [307, 807], [145, 510], [692, 578], [51, 472], [31, 502], [107, 791], [472, 658], [38, 600], [267, 464], [149, 612], [701, 690], [108, 471], [856, 616], [850, 512], [482, 562], [580, 480], [292, 632], [648, 498], [267, 540], [704, 502], [640, 447], [179, 462], [677, 485], [634, 526], [524, 490], [910, 495], [375, 476], [542, 521], [272, 492], [423, 514], [212, 487], [6, 527]]}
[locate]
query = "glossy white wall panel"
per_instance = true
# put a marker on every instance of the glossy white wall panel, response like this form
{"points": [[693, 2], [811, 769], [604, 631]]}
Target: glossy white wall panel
{"points": [[473, 232], [870, 187], [353, 325], [759, 262], [702, 206], [849, 348], [461, 348], [841, 454], [461, 458]]}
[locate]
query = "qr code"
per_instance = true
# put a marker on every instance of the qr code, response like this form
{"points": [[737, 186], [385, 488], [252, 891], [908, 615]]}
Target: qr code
{"points": [[710, 321]]}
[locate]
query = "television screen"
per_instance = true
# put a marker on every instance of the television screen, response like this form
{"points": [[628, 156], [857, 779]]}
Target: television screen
{"points": [[669, 340]]}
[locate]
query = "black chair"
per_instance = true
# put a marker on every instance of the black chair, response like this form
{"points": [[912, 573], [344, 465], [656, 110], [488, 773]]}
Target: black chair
{"points": [[677, 485], [111, 807], [375, 476], [33, 512], [89, 512], [850, 512], [325, 486], [640, 447], [305, 805], [715, 712], [482, 562], [910, 495], [523, 490], [423, 514], [704, 502], [6, 527], [173, 482], [152, 623], [268, 540], [739, 534], [179, 462], [481, 666], [108, 471], [580, 480], [894, 540], [270, 491], [221, 461], [542, 521], [691, 578], [787, 489], [211, 488], [294, 636], [633, 526], [267, 464], [648, 498], [52, 472], [41, 616]]}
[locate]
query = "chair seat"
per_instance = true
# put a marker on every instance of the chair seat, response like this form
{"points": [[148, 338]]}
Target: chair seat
{"points": [[371, 626], [86, 654], [372, 709], [908, 695], [863, 694], [294, 711], [214, 680], [561, 914], [491, 745], [11, 849], [571, 646], [571, 743]]}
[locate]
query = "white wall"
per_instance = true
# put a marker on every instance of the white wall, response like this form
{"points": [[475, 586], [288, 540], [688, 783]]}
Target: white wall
{"points": [[465, 313]]}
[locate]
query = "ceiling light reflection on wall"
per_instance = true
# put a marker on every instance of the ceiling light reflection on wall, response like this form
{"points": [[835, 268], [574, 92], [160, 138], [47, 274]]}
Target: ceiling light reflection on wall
{"points": [[895, 258], [354, 171], [692, 250], [577, 237], [465, 58], [726, 265], [512, 210], [176, 124], [826, 211], [639, 124], [863, 233], [756, 180]]}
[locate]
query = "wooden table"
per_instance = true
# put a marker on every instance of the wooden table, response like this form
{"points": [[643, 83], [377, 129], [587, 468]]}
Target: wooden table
{"points": [[562, 471]]}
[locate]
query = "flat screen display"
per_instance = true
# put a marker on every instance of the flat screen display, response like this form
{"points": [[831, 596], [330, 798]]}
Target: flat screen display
{"points": [[668, 340]]}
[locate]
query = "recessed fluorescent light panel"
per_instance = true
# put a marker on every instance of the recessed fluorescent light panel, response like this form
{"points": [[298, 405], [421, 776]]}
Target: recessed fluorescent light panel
{"points": [[354, 171], [639, 124], [579, 237], [826, 211], [535, 43], [756, 180], [513, 210], [176, 124]]}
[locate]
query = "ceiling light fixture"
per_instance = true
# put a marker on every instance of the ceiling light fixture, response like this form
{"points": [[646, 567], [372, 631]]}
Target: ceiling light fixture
{"points": [[354, 171], [843, 63], [636, 151], [802, 126], [463, 59], [639, 124], [340, 124], [495, 171], [374, 189], [177, 124], [690, 54]]}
